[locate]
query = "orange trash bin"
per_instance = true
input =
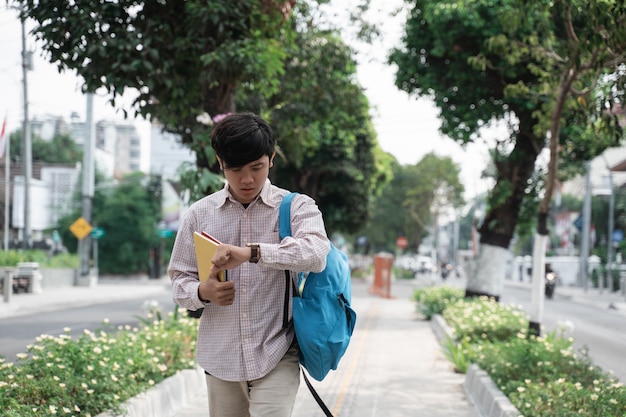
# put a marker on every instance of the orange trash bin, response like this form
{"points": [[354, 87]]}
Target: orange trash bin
{"points": [[382, 275]]}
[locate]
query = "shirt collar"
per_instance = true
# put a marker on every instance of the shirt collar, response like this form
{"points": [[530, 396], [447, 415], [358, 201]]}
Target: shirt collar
{"points": [[265, 195]]}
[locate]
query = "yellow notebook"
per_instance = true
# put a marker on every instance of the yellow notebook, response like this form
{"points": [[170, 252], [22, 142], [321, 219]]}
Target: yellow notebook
{"points": [[206, 245]]}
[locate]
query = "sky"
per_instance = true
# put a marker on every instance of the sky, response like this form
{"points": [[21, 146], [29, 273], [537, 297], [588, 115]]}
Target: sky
{"points": [[407, 127]]}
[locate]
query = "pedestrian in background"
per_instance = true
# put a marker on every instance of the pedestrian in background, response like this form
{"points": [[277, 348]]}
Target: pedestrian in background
{"points": [[246, 342]]}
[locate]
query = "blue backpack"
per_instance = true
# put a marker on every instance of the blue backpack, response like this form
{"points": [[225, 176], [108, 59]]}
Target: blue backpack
{"points": [[322, 316]]}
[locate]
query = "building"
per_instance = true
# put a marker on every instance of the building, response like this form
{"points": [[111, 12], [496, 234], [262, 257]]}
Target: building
{"points": [[167, 154], [51, 189]]}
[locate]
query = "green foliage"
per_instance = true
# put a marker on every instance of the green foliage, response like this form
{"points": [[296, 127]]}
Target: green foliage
{"points": [[63, 260], [434, 300], [402, 273], [60, 150], [175, 71], [545, 377], [542, 376], [482, 61], [303, 83], [320, 115], [98, 371], [458, 353], [12, 257], [412, 200], [484, 319], [129, 216], [129, 213]]}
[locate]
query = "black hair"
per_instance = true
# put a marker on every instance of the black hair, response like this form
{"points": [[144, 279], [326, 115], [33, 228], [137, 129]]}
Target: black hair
{"points": [[241, 138]]}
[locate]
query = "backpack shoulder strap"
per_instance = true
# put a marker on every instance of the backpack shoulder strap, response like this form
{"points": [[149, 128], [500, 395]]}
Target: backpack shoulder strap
{"points": [[284, 215], [284, 225], [284, 220]]}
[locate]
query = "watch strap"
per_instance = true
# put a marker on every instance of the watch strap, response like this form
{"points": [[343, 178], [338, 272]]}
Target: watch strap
{"points": [[255, 252]]}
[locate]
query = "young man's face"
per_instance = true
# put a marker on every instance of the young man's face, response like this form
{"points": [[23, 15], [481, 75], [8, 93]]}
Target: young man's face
{"points": [[246, 182]]}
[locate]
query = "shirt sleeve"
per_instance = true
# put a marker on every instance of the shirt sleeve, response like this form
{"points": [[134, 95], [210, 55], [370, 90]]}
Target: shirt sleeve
{"points": [[308, 246], [183, 268]]}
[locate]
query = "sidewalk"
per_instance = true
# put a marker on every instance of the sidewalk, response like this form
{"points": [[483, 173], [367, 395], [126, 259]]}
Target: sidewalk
{"points": [[394, 366]]}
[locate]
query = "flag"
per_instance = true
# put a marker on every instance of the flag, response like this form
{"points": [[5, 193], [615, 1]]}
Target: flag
{"points": [[2, 131]]}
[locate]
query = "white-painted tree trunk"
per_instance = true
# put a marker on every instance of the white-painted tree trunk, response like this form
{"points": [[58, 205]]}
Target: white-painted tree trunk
{"points": [[537, 294], [489, 272]]}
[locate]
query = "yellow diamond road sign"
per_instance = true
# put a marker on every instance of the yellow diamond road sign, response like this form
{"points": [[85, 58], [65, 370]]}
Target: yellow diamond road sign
{"points": [[81, 228]]}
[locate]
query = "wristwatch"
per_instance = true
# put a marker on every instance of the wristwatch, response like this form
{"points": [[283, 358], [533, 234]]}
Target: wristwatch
{"points": [[255, 252]]}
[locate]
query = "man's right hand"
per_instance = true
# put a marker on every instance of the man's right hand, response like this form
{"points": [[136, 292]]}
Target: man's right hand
{"points": [[215, 291]]}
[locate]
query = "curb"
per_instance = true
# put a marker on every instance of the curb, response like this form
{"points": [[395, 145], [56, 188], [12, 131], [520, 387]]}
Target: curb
{"points": [[487, 398], [166, 398]]}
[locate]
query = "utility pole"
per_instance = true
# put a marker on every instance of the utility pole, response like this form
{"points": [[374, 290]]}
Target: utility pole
{"points": [[26, 140], [7, 188], [84, 245], [609, 254], [584, 242]]}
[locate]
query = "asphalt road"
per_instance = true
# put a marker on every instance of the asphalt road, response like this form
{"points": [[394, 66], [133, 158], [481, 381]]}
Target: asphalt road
{"points": [[16, 333]]}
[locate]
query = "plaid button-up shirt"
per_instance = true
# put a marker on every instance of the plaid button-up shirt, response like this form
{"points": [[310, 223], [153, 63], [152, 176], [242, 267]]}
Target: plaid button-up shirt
{"points": [[245, 341]]}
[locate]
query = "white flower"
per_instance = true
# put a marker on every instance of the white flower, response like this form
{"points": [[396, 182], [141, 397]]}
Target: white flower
{"points": [[205, 119]]}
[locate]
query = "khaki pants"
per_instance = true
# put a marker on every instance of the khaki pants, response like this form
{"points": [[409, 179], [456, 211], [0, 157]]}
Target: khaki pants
{"points": [[271, 396]]}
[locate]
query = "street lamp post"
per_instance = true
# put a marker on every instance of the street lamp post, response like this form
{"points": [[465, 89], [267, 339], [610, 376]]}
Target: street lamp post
{"points": [[26, 140]]}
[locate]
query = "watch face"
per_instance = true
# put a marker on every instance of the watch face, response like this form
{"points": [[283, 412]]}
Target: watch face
{"points": [[254, 253]]}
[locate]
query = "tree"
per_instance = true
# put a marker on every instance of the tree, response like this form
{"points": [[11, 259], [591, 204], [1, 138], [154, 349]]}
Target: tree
{"points": [[245, 55], [60, 150], [453, 51], [328, 146], [437, 191], [388, 218], [129, 213], [410, 205], [181, 58], [581, 52]]}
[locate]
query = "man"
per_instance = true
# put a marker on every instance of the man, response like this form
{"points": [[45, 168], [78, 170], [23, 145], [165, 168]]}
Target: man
{"points": [[248, 354]]}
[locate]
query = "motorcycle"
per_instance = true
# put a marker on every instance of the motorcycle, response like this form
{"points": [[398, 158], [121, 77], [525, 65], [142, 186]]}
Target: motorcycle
{"points": [[550, 283], [445, 270]]}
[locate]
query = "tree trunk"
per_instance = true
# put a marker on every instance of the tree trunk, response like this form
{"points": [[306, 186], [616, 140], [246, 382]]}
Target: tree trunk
{"points": [[500, 221]]}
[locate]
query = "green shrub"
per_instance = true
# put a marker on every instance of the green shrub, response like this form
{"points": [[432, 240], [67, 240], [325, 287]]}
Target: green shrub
{"points": [[402, 273], [484, 319], [13, 256], [459, 354], [541, 376], [97, 371], [545, 377], [434, 300]]}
